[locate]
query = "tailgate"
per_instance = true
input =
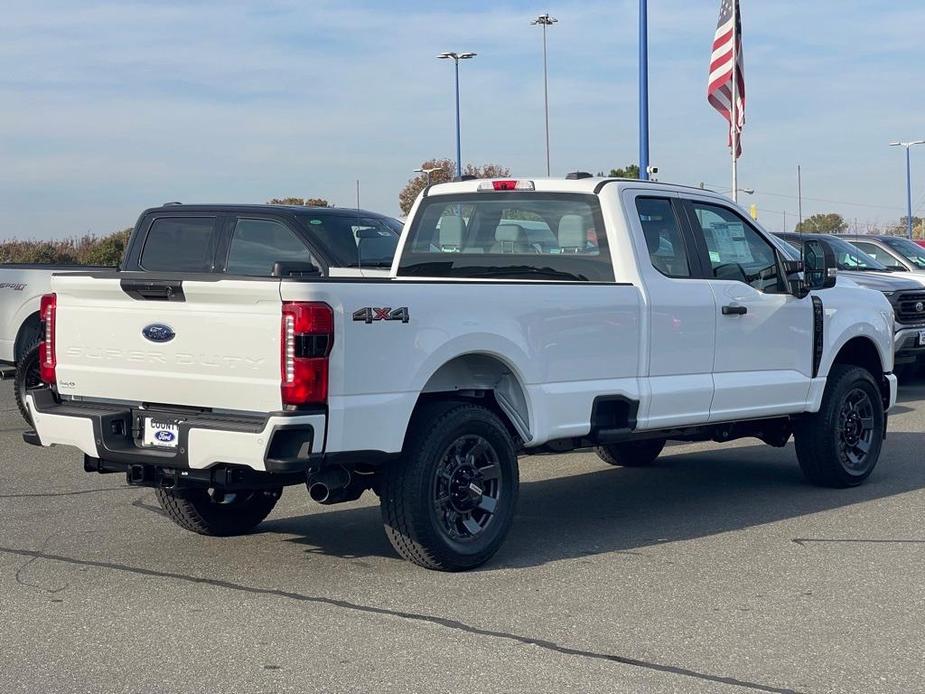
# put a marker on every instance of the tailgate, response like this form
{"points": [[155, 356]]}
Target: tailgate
{"points": [[114, 342]]}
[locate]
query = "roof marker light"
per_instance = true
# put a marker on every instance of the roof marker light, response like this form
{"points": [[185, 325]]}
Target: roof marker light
{"points": [[506, 184]]}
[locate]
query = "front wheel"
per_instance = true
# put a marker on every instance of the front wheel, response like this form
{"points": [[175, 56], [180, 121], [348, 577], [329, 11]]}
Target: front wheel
{"points": [[839, 446], [449, 502], [27, 376], [214, 512]]}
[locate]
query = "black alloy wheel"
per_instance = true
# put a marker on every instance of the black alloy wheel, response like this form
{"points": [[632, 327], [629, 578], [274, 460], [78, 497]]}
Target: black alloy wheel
{"points": [[466, 488]]}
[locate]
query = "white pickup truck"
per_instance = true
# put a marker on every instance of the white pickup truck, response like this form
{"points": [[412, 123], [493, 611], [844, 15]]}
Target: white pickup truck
{"points": [[234, 239], [519, 317]]}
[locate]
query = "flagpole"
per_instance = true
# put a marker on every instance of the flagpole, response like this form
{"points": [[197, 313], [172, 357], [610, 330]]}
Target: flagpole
{"points": [[733, 114], [643, 91]]}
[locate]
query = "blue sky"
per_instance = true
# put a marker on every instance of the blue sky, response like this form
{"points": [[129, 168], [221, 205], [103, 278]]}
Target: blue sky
{"points": [[109, 107]]}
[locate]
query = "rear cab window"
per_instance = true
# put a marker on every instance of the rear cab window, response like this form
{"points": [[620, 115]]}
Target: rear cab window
{"points": [[664, 241], [510, 235], [179, 244]]}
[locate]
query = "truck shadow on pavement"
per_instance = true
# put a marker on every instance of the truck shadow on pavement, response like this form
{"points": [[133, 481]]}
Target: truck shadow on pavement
{"points": [[625, 510]]}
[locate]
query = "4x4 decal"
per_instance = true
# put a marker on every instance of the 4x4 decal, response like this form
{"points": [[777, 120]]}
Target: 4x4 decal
{"points": [[369, 314]]}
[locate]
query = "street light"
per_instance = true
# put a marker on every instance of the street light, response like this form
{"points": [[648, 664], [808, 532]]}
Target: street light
{"points": [[747, 191], [908, 146], [428, 172], [544, 20], [456, 57]]}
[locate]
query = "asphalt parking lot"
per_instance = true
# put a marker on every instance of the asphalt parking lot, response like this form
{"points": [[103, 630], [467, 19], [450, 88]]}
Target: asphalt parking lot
{"points": [[717, 571]]}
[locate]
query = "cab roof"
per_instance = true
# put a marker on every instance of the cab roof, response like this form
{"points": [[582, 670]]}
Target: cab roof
{"points": [[586, 185], [236, 208]]}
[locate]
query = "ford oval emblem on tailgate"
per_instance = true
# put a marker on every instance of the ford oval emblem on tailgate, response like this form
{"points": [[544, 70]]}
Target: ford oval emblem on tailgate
{"points": [[158, 332]]}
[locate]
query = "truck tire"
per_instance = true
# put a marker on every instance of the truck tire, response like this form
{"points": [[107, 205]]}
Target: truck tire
{"points": [[448, 503], [210, 512], [631, 453], [839, 446], [27, 376]]}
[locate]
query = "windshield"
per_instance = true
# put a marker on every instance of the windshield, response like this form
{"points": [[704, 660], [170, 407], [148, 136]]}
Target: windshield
{"points": [[848, 257], [360, 241], [909, 250], [789, 251]]}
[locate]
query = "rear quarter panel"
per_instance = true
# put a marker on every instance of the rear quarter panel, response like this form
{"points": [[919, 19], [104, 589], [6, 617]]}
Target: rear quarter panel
{"points": [[564, 342], [21, 290]]}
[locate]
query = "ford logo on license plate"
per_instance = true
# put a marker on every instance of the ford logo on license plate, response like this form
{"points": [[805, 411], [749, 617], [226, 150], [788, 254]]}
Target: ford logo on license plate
{"points": [[165, 436], [158, 332]]}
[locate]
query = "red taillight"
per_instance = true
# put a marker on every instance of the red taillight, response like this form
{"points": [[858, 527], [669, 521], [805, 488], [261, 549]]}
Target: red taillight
{"points": [[504, 185], [47, 360], [306, 339]]}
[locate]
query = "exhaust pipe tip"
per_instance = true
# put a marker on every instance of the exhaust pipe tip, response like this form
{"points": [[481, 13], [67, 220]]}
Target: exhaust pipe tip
{"points": [[320, 492]]}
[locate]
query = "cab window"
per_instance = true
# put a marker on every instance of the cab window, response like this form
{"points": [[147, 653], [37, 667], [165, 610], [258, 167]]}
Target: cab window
{"points": [[736, 251], [257, 244], [663, 237], [537, 236], [179, 244]]}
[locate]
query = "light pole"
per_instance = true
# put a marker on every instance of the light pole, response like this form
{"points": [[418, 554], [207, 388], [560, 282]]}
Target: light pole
{"points": [[544, 20], [908, 146], [427, 172], [747, 191], [456, 57]]}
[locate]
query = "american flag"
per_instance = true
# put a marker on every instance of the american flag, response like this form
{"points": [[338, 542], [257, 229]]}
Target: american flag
{"points": [[728, 39]]}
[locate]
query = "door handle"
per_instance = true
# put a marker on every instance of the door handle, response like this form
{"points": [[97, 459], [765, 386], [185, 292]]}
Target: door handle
{"points": [[735, 310]]}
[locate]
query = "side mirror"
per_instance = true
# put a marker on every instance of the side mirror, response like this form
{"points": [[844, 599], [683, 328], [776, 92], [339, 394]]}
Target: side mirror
{"points": [[294, 269], [819, 268], [371, 233]]}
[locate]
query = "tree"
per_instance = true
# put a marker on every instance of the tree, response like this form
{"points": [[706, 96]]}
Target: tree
{"points": [[444, 170], [830, 223], [628, 171], [301, 202], [902, 228], [106, 251], [83, 250], [486, 171]]}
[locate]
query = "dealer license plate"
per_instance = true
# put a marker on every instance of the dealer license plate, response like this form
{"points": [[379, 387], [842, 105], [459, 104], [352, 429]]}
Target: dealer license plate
{"points": [[160, 433], [921, 338]]}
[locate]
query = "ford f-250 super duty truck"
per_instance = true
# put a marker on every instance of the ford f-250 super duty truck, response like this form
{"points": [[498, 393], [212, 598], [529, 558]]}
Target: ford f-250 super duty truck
{"points": [[520, 316], [217, 239]]}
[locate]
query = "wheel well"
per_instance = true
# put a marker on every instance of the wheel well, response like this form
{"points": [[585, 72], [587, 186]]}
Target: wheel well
{"points": [[32, 326], [859, 351], [485, 378]]}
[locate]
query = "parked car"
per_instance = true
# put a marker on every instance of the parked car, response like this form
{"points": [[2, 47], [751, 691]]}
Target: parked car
{"points": [[661, 313], [903, 289], [893, 251], [244, 240]]}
